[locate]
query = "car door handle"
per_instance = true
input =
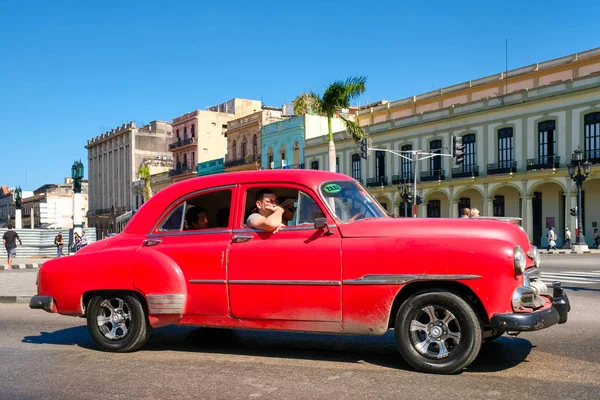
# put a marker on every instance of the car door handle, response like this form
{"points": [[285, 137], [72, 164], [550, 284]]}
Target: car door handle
{"points": [[241, 238], [152, 242]]}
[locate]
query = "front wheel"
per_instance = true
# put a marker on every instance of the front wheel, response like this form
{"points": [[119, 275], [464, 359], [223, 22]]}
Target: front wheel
{"points": [[117, 322], [438, 332]]}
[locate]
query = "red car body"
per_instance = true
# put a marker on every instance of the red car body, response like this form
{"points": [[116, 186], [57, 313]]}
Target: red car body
{"points": [[351, 277]]}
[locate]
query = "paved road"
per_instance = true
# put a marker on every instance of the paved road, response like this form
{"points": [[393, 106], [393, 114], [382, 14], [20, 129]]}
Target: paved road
{"points": [[47, 356]]}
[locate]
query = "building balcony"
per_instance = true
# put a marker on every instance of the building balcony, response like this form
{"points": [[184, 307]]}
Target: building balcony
{"points": [[182, 169], [503, 167], [465, 171], [403, 178], [377, 181], [433, 175], [541, 163], [183, 142], [241, 161]]}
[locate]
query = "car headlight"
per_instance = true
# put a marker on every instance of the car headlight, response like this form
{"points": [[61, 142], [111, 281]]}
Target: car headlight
{"points": [[535, 255], [519, 260]]}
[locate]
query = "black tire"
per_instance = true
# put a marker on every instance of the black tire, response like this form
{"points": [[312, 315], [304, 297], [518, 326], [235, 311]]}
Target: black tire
{"points": [[124, 320], [451, 315]]}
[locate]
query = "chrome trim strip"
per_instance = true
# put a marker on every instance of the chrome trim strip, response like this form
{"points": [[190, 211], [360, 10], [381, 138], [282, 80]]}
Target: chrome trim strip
{"points": [[165, 303], [211, 231], [285, 282], [402, 279], [222, 281]]}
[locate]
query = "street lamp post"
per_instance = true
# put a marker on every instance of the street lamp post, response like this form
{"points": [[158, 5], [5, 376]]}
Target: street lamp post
{"points": [[404, 190], [77, 175], [579, 171], [18, 203]]}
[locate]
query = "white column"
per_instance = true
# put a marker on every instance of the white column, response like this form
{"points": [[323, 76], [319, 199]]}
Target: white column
{"points": [[32, 214], [528, 216], [77, 213], [453, 209], [18, 220], [489, 207]]}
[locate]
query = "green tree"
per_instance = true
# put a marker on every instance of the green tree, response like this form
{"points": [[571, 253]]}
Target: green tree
{"points": [[144, 173], [336, 97]]}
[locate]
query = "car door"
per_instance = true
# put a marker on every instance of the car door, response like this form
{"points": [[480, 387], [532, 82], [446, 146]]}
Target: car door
{"points": [[200, 254], [294, 274]]}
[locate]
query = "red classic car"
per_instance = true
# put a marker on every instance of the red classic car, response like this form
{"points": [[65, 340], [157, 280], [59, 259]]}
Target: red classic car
{"points": [[339, 265]]}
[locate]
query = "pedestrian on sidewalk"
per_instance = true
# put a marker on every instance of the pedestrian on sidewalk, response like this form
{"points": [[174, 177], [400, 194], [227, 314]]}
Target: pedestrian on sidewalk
{"points": [[76, 242], [551, 239], [58, 241], [596, 238], [567, 239], [466, 213], [9, 239], [83, 240]]}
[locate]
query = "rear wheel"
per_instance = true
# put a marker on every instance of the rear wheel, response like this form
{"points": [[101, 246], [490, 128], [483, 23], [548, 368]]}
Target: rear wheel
{"points": [[438, 332], [117, 322]]}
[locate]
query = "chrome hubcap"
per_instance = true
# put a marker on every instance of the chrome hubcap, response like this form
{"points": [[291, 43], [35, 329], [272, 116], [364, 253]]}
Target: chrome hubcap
{"points": [[114, 318], [435, 332]]}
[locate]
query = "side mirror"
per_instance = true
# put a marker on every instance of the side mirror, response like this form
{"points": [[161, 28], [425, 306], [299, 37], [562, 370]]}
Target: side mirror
{"points": [[321, 223]]}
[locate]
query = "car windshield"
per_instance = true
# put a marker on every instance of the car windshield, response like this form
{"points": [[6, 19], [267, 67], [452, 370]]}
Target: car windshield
{"points": [[350, 201]]}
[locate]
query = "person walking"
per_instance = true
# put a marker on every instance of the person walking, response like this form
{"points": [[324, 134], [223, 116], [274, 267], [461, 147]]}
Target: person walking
{"points": [[9, 239], [567, 243], [58, 241], [551, 239]]}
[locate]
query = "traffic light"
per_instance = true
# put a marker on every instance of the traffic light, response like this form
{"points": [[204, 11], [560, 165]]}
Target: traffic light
{"points": [[409, 198], [574, 211], [363, 148], [458, 150], [419, 200]]}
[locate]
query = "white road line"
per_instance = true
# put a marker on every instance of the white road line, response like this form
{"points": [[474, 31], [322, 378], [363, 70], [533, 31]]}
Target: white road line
{"points": [[571, 278], [549, 283], [576, 273], [575, 276]]}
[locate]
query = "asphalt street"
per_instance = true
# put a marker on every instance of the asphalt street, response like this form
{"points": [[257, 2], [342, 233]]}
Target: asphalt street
{"points": [[47, 356]]}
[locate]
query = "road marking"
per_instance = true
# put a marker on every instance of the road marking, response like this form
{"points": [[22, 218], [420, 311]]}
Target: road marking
{"points": [[581, 278]]}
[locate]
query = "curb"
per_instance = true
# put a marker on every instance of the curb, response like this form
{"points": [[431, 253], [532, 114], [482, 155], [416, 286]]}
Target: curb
{"points": [[21, 266], [15, 299], [565, 252]]}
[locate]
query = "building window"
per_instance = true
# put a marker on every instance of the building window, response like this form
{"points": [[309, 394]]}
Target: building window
{"points": [[255, 145], [463, 203], [185, 163], [592, 136], [314, 164], [296, 153], [498, 206], [193, 158], [356, 172], [337, 164], [379, 164], [193, 131], [434, 208], [184, 132], [282, 155], [177, 131], [244, 148], [435, 163], [505, 147], [406, 164], [547, 142], [270, 158], [470, 152]]}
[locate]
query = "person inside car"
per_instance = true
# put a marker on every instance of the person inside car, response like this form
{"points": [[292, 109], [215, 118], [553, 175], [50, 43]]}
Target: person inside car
{"points": [[196, 218], [289, 210], [268, 215]]}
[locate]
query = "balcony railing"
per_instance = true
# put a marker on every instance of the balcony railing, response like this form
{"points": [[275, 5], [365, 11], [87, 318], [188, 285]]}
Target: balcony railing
{"points": [[241, 161], [184, 169], [466, 171], [433, 175], [377, 181], [502, 167], [542, 163], [402, 178], [182, 142]]}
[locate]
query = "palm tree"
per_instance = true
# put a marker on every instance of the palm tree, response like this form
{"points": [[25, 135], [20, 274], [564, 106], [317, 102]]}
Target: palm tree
{"points": [[144, 173], [336, 97]]}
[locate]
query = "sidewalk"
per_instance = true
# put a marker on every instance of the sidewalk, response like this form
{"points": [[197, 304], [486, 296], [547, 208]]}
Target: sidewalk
{"points": [[23, 263], [567, 251], [18, 285]]}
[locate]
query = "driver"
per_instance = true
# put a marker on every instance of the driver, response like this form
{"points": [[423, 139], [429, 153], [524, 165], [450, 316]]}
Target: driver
{"points": [[268, 215]]}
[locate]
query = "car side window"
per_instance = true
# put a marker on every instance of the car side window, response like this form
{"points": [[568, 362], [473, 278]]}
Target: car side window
{"points": [[299, 207], [207, 210]]}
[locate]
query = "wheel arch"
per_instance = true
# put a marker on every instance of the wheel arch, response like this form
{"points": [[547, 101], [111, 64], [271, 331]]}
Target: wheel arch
{"points": [[457, 288], [87, 297]]}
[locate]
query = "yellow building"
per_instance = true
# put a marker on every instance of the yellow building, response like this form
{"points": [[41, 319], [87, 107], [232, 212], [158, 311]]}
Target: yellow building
{"points": [[520, 130]]}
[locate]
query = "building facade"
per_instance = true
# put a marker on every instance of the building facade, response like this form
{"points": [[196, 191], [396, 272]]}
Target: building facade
{"points": [[282, 142], [244, 139], [200, 135], [7, 206], [51, 206], [519, 130], [159, 168], [113, 161], [211, 167]]}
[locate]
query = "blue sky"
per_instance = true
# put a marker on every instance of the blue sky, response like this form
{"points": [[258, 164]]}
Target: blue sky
{"points": [[71, 70]]}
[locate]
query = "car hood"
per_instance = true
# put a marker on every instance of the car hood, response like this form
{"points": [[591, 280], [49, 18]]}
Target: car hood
{"points": [[436, 229]]}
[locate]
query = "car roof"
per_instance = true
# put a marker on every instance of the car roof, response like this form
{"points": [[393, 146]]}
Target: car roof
{"points": [[147, 215]]}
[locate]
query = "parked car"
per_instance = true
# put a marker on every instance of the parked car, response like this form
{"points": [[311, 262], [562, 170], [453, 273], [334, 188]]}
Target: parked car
{"points": [[341, 265]]}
